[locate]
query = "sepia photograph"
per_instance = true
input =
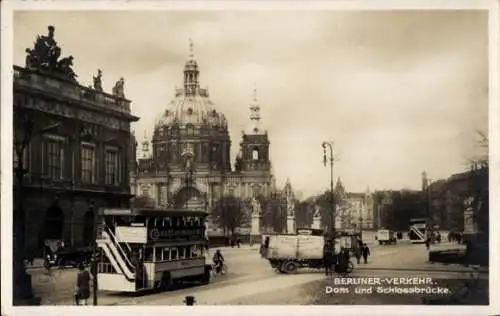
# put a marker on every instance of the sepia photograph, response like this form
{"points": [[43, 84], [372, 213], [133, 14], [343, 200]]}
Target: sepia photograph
{"points": [[247, 157]]}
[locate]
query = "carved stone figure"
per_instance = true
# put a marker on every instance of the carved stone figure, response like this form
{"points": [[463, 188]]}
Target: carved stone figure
{"points": [[31, 59], [64, 66], [188, 169], [45, 56], [46, 49], [98, 81], [290, 206], [255, 206], [118, 89]]}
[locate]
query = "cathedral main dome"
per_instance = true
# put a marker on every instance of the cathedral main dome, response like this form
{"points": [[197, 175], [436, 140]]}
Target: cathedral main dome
{"points": [[191, 105], [191, 131]]}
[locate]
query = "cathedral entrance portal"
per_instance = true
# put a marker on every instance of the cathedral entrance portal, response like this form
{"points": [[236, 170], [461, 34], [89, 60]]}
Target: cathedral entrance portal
{"points": [[190, 198]]}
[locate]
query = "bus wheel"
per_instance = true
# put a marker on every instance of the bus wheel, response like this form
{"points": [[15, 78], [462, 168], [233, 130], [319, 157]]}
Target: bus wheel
{"points": [[290, 267], [166, 281]]}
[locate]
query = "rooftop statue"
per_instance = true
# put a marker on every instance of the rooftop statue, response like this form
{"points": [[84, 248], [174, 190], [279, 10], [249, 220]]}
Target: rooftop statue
{"points": [[98, 81], [64, 67], [45, 56], [118, 89]]}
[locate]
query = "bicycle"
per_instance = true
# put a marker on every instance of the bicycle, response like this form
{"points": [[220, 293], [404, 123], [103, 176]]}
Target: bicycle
{"points": [[219, 270]]}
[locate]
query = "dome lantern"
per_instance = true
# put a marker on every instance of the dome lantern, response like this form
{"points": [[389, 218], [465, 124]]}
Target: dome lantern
{"points": [[191, 106]]}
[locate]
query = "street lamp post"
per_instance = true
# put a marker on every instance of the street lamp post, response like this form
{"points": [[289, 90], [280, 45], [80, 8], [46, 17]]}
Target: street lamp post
{"points": [[429, 204], [329, 145]]}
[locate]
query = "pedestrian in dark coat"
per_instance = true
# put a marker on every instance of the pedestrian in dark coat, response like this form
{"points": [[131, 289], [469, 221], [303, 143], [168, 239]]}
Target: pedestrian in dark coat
{"points": [[329, 261], [366, 253], [358, 252], [427, 242], [82, 291]]}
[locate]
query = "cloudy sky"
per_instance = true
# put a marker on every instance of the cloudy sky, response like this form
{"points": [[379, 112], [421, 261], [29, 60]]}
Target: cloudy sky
{"points": [[398, 92]]}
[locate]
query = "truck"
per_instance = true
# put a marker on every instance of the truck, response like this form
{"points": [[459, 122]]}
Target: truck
{"points": [[287, 253], [386, 236]]}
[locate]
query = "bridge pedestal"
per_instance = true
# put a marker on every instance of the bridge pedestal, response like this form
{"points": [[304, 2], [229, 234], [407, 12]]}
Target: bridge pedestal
{"points": [[290, 224]]}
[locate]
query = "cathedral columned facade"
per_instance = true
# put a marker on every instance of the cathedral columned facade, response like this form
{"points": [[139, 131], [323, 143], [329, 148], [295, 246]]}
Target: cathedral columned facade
{"points": [[187, 162]]}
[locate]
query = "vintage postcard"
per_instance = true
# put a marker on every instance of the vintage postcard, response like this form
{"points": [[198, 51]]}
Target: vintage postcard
{"points": [[254, 153]]}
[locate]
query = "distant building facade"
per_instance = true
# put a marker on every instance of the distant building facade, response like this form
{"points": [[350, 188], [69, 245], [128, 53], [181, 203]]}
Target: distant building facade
{"points": [[355, 209], [72, 143], [187, 162], [447, 198]]}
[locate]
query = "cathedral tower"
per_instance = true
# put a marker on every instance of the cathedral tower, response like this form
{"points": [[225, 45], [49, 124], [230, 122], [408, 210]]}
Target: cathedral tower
{"points": [[255, 144]]}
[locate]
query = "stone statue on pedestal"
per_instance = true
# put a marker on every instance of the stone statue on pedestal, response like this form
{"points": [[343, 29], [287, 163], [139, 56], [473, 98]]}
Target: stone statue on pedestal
{"points": [[98, 81], [255, 207], [118, 89]]}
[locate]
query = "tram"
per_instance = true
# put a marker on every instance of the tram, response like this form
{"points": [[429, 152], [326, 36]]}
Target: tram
{"points": [[143, 249]]}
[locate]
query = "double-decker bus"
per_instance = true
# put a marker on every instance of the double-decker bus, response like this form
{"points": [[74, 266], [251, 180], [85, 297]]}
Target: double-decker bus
{"points": [[143, 249], [418, 230]]}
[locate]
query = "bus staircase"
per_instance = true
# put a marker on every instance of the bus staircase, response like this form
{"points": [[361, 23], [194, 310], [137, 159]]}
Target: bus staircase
{"points": [[117, 254], [418, 233]]}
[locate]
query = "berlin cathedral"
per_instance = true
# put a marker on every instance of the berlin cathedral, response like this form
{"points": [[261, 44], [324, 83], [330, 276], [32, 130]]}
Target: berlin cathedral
{"points": [[187, 163]]}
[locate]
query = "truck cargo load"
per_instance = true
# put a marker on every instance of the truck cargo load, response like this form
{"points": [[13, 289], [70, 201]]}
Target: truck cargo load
{"points": [[295, 247]]}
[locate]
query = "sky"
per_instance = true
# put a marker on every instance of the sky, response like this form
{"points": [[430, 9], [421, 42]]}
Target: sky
{"points": [[398, 92]]}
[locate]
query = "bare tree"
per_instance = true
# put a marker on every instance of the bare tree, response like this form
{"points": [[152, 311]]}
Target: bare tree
{"points": [[304, 213], [229, 213], [479, 160]]}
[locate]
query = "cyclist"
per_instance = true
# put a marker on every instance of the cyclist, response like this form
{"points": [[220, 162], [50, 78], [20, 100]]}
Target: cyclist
{"points": [[218, 260]]}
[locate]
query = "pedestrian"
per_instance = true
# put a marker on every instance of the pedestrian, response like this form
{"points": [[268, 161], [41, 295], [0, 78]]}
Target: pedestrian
{"points": [[82, 291], [438, 237], [328, 260], [238, 242], [366, 253], [250, 243], [427, 242], [358, 252]]}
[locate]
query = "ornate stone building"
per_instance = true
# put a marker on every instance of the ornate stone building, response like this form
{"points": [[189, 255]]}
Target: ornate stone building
{"points": [[71, 149], [189, 164], [356, 209]]}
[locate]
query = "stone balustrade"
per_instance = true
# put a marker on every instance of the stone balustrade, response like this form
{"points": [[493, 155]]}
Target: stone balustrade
{"points": [[72, 90]]}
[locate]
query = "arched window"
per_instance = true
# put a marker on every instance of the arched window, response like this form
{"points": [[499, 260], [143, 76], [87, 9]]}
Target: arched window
{"points": [[255, 154]]}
